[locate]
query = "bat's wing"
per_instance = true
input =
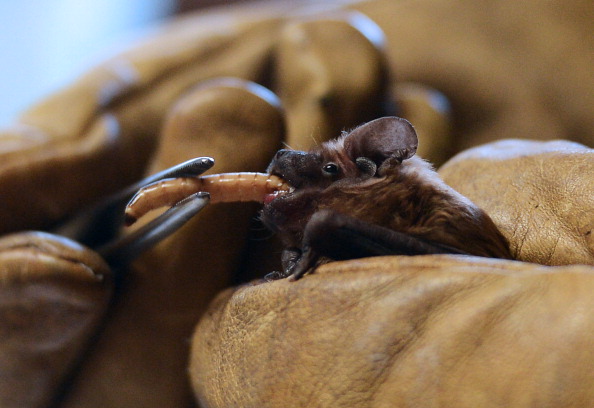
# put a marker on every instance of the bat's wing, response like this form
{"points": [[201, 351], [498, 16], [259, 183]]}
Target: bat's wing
{"points": [[342, 237]]}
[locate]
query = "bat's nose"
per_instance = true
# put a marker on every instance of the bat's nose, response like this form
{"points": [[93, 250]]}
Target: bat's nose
{"points": [[276, 160], [288, 164], [281, 153], [273, 167]]}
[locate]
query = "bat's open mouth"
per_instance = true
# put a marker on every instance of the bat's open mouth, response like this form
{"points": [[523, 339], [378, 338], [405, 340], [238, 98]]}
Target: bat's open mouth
{"points": [[282, 190]]}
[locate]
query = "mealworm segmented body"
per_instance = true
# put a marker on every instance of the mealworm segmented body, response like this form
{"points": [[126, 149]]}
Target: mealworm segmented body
{"points": [[223, 188]]}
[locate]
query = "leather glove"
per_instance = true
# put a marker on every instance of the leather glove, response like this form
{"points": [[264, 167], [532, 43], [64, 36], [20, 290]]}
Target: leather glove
{"points": [[428, 330]]}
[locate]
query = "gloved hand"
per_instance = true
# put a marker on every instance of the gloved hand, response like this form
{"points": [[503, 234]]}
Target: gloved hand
{"points": [[428, 330]]}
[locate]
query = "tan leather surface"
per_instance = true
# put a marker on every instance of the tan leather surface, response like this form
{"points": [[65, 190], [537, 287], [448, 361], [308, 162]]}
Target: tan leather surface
{"points": [[508, 69], [331, 75], [402, 331], [53, 296], [540, 195]]}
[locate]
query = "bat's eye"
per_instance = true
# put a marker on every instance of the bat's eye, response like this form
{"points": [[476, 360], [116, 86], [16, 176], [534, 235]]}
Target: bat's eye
{"points": [[330, 169]]}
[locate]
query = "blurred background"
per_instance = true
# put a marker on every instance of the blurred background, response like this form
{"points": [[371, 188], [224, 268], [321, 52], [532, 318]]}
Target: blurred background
{"points": [[46, 43]]}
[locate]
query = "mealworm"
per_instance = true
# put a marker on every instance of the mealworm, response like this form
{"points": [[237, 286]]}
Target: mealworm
{"points": [[223, 188]]}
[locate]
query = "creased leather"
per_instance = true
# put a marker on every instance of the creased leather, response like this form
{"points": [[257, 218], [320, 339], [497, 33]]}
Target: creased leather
{"points": [[53, 296], [539, 194], [402, 331], [332, 75]]}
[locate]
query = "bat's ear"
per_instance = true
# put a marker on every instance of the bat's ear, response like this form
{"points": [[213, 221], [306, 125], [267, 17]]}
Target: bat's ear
{"points": [[381, 139]]}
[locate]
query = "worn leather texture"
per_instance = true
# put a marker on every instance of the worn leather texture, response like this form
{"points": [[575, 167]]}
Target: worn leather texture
{"points": [[376, 332], [539, 194], [402, 331], [54, 294]]}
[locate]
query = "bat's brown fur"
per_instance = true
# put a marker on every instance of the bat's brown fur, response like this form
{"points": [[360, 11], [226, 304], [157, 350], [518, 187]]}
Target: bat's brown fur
{"points": [[403, 194], [411, 198]]}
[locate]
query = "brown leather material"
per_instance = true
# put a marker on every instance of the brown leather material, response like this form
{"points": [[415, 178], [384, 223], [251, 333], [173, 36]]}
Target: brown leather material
{"points": [[539, 194], [402, 331], [53, 295], [510, 70], [332, 75]]}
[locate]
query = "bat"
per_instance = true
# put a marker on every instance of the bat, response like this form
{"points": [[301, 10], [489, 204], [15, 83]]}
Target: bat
{"points": [[367, 194]]}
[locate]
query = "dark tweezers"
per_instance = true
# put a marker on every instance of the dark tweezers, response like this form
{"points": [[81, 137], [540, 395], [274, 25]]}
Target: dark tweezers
{"points": [[97, 226]]}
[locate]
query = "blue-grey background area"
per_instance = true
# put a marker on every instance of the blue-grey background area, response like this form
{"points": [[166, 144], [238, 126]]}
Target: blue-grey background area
{"points": [[45, 44]]}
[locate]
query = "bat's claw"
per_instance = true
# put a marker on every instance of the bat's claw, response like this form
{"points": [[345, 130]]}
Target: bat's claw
{"points": [[296, 263], [305, 263], [275, 275]]}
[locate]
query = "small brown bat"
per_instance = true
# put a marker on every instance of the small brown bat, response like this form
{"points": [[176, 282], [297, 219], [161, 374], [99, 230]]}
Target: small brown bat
{"points": [[367, 194]]}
